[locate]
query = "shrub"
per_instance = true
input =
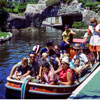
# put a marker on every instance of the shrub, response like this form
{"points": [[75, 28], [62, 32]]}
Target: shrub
{"points": [[79, 25], [22, 8], [52, 2]]}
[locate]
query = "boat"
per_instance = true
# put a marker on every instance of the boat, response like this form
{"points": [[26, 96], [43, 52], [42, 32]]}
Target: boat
{"points": [[33, 89]]}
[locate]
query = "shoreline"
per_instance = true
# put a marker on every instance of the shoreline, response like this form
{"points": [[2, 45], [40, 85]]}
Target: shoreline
{"points": [[8, 36]]}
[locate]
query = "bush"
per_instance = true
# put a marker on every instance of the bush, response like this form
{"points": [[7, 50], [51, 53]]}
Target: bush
{"points": [[52, 2], [4, 34], [68, 1], [21, 8], [79, 25]]}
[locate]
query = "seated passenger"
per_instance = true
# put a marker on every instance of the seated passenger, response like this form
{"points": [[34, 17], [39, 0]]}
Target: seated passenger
{"points": [[84, 62], [23, 71], [79, 70], [53, 59], [79, 54], [31, 62], [36, 49], [46, 74], [43, 59], [66, 39], [66, 74], [57, 51], [49, 46]]}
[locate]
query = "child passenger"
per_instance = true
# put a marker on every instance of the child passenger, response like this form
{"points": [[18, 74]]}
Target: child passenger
{"points": [[47, 76], [23, 71]]}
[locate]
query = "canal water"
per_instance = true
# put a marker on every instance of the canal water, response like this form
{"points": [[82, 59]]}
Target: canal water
{"points": [[19, 46]]}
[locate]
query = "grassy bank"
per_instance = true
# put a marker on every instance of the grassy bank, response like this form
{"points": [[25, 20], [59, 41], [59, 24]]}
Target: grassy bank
{"points": [[4, 34]]}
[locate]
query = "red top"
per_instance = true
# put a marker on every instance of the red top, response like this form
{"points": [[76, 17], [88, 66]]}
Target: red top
{"points": [[63, 74]]}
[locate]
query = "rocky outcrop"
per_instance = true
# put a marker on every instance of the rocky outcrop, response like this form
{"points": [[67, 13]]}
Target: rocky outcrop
{"points": [[15, 21], [33, 13], [42, 1], [88, 14], [36, 13], [75, 8]]}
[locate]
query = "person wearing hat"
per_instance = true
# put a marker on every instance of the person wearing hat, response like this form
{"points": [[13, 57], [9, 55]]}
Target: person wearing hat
{"points": [[79, 54], [36, 49], [84, 62], [94, 43], [66, 39], [66, 74]]}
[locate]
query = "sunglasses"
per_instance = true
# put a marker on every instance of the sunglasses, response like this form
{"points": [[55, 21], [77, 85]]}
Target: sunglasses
{"points": [[76, 50], [56, 49], [32, 56], [92, 22]]}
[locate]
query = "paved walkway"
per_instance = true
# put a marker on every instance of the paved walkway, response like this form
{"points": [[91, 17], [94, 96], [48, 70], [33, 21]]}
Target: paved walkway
{"points": [[89, 89]]}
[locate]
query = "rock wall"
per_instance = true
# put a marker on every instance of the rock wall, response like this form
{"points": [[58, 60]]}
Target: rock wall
{"points": [[36, 13], [14, 21], [33, 14]]}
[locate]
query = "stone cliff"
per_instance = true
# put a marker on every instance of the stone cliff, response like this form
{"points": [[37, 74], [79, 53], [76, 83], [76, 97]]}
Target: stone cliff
{"points": [[36, 13]]}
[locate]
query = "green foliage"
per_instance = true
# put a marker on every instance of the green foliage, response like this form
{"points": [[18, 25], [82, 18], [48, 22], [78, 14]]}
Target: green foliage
{"points": [[3, 3], [68, 1], [11, 4], [22, 7], [3, 14], [79, 25], [92, 5], [4, 34], [52, 2], [82, 1], [15, 7]]}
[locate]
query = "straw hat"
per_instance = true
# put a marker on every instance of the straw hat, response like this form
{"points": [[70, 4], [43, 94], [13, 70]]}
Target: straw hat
{"points": [[93, 20], [64, 55], [66, 60], [77, 46]]}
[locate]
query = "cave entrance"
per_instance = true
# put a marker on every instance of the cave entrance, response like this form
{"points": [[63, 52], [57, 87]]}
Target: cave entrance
{"points": [[69, 19]]}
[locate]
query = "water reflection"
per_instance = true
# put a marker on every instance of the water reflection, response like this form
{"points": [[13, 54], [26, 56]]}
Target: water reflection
{"points": [[12, 51]]}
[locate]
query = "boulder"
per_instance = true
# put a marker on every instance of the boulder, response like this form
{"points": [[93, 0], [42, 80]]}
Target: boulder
{"points": [[88, 14], [33, 14], [16, 21]]}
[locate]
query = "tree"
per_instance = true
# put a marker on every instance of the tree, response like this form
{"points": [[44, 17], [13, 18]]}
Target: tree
{"points": [[3, 14]]}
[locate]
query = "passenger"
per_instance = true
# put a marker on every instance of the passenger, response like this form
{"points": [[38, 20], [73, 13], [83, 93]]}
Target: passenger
{"points": [[78, 69], [46, 74], [31, 62], [66, 74], [57, 51], [36, 49], [84, 62], [66, 39], [23, 71], [49, 45], [43, 59], [53, 59], [94, 44]]}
